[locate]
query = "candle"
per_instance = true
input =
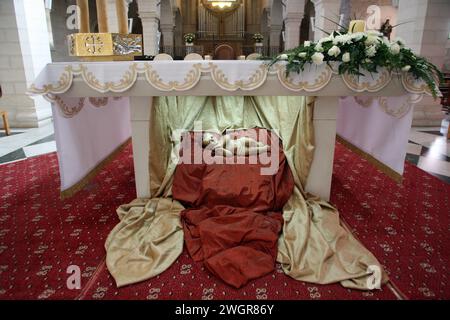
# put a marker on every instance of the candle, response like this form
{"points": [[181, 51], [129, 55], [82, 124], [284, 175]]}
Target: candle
{"points": [[122, 17], [102, 16], [357, 26], [207, 57], [241, 58], [83, 7]]}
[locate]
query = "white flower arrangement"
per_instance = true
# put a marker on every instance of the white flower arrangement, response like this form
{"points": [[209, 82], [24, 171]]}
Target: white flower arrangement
{"points": [[258, 37], [361, 51], [189, 37]]}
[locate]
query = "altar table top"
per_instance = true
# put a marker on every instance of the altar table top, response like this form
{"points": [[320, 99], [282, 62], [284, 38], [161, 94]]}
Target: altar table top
{"points": [[215, 77]]}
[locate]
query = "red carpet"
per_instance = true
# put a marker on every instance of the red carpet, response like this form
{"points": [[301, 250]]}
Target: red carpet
{"points": [[406, 226]]}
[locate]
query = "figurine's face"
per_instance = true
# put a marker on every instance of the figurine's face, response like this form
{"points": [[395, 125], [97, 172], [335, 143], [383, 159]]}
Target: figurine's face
{"points": [[209, 140]]}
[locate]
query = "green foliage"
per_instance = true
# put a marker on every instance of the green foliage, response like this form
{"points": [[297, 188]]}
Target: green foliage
{"points": [[366, 51]]}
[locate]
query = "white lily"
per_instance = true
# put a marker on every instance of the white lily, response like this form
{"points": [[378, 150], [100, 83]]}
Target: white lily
{"points": [[394, 48]]}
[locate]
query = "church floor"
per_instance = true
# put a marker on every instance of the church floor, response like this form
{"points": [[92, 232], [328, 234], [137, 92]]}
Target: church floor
{"points": [[406, 226]]}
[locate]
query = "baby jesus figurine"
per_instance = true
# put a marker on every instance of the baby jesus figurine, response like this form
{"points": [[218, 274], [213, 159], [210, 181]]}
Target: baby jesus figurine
{"points": [[228, 147]]}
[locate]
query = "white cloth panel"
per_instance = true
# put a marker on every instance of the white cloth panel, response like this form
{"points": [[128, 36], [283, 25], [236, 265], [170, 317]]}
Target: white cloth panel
{"points": [[376, 132], [88, 137]]}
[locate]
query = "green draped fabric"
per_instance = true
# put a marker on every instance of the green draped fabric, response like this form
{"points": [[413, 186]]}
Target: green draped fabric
{"points": [[313, 246]]}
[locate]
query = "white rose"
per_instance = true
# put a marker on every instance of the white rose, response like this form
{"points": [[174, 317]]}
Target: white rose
{"points": [[317, 58], [283, 56], [400, 41], [346, 57], [318, 47], [371, 40], [395, 48], [307, 43], [406, 68], [371, 51], [334, 51], [302, 54]]}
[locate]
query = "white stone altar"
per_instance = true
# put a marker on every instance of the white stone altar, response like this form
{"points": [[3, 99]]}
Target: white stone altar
{"points": [[68, 84]]}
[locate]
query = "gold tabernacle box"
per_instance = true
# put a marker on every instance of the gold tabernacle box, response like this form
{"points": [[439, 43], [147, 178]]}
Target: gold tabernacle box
{"points": [[105, 46]]}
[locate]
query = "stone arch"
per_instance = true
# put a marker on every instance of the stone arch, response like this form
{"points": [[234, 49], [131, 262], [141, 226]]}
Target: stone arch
{"points": [[306, 32], [276, 13]]}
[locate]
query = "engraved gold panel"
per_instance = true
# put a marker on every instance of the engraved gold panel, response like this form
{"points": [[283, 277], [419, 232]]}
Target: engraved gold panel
{"points": [[105, 46], [90, 44]]}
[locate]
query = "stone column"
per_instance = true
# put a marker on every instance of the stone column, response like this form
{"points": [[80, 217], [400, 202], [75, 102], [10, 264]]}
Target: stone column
{"points": [[168, 38], [427, 35], [149, 14], [292, 29], [325, 9], [295, 10], [24, 52], [274, 43]]}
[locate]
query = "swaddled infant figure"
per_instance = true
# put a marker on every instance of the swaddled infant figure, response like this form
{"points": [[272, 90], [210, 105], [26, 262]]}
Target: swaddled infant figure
{"points": [[228, 147]]}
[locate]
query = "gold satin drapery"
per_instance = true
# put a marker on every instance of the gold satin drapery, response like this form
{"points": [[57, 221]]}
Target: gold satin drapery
{"points": [[313, 246]]}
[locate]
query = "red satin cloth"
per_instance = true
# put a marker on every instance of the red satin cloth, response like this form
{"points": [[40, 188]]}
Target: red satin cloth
{"points": [[233, 216]]}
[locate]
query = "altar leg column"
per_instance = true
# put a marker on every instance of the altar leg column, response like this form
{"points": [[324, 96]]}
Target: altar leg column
{"points": [[319, 178], [140, 112]]}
